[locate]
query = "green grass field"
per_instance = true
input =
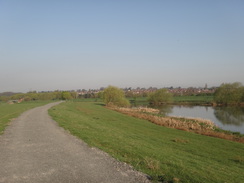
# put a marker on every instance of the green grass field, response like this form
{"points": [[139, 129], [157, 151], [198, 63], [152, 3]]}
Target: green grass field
{"points": [[165, 154], [194, 99], [10, 111], [188, 100]]}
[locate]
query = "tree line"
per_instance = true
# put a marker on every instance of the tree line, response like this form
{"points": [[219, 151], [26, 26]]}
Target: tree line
{"points": [[225, 94], [32, 96], [114, 96]]}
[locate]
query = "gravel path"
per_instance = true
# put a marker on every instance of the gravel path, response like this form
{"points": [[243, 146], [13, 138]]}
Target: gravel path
{"points": [[35, 149]]}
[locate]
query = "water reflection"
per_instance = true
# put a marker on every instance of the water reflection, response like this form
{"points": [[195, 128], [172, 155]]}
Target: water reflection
{"points": [[164, 109], [227, 118], [230, 115]]}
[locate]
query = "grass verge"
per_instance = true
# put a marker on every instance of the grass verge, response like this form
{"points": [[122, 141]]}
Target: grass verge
{"points": [[167, 155], [10, 111]]}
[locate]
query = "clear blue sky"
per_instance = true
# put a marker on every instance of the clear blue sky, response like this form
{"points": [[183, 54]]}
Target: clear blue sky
{"points": [[75, 44]]}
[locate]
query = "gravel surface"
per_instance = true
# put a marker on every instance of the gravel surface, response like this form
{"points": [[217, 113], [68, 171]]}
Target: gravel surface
{"points": [[34, 149]]}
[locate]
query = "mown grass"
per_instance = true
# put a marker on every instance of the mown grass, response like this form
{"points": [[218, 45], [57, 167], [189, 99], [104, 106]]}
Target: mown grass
{"points": [[10, 111], [187, 100], [165, 154], [193, 99]]}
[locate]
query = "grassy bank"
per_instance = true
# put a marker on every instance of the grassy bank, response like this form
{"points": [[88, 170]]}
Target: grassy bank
{"points": [[178, 100], [163, 153], [193, 99], [10, 111], [196, 125]]}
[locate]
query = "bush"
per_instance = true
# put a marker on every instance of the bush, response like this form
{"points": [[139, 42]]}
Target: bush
{"points": [[160, 96], [115, 96]]}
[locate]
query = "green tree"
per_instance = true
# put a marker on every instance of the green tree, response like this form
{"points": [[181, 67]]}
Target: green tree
{"points": [[32, 95], [242, 91], [58, 95], [74, 94], [4, 98], [17, 96], [129, 94], [66, 95], [47, 96], [160, 96], [115, 96], [229, 93], [100, 94]]}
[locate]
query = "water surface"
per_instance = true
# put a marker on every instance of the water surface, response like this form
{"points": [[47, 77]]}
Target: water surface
{"points": [[227, 118]]}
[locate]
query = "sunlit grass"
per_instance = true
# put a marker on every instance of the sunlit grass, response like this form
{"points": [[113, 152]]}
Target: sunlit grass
{"points": [[165, 154], [10, 111], [188, 100], [197, 125]]}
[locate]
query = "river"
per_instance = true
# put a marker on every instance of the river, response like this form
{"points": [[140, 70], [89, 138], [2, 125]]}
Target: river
{"points": [[227, 118]]}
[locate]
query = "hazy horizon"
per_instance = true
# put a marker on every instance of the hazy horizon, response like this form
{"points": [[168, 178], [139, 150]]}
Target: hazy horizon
{"points": [[98, 88], [70, 45]]}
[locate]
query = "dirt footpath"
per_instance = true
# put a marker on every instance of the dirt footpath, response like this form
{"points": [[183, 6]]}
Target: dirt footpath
{"points": [[34, 149]]}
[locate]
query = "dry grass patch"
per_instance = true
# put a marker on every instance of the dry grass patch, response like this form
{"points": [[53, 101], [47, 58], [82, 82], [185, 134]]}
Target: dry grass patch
{"points": [[152, 164], [239, 159], [180, 140]]}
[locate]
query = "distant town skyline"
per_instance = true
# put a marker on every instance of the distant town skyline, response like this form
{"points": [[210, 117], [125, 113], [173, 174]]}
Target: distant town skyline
{"points": [[130, 92], [85, 90], [64, 45]]}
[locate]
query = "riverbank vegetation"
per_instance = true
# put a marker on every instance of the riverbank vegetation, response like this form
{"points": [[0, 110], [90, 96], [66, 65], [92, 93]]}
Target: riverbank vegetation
{"points": [[196, 125], [8, 112], [229, 94], [165, 154], [160, 97]]}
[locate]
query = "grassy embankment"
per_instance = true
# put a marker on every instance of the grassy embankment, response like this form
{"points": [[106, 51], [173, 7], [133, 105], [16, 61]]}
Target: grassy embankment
{"points": [[10, 111], [196, 125], [163, 153]]}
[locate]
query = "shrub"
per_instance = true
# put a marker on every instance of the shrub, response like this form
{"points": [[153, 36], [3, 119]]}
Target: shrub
{"points": [[160, 96], [229, 93], [114, 96]]}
